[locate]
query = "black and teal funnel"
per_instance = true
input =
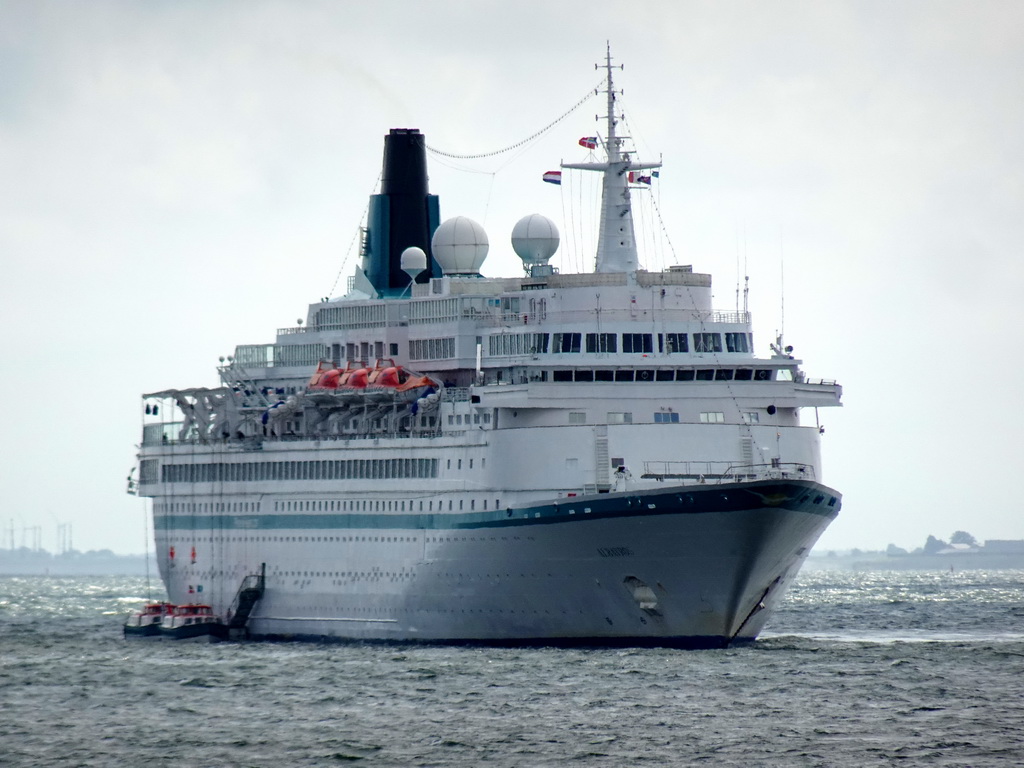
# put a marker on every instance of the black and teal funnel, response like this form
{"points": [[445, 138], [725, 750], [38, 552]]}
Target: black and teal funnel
{"points": [[404, 214]]}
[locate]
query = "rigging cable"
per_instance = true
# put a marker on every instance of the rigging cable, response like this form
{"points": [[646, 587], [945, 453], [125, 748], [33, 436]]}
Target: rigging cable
{"points": [[569, 231], [355, 234], [541, 132], [664, 231]]}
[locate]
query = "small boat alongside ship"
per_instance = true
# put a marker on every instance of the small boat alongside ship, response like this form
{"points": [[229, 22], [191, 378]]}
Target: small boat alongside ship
{"points": [[176, 622], [193, 621], [146, 621]]}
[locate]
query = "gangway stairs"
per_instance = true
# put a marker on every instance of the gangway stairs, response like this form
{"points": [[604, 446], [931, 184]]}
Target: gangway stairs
{"points": [[249, 593]]}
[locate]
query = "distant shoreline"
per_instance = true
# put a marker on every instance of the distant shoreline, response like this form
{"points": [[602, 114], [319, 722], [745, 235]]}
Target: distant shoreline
{"points": [[879, 561], [26, 562]]}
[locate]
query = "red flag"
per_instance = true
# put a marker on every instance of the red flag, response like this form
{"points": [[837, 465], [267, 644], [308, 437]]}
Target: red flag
{"points": [[590, 142]]}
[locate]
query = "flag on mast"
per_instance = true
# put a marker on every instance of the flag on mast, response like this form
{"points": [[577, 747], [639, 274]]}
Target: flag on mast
{"points": [[553, 177], [589, 142]]}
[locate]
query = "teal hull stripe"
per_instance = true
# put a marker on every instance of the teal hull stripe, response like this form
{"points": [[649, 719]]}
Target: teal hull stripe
{"points": [[797, 496]]}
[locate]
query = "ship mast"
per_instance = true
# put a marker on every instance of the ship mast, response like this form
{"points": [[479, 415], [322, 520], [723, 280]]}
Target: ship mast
{"points": [[616, 244]]}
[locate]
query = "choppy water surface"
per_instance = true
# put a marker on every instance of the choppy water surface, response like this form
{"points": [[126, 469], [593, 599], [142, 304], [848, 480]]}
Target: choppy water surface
{"points": [[856, 669]]}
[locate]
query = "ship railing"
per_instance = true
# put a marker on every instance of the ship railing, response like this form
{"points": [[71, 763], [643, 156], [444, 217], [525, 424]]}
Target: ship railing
{"points": [[506, 317], [456, 394], [715, 472], [575, 317]]}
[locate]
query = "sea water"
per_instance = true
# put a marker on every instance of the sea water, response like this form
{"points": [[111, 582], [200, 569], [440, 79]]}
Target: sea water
{"points": [[855, 669]]}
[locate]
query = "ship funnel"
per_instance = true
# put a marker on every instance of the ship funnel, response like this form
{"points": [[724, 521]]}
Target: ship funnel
{"points": [[404, 215]]}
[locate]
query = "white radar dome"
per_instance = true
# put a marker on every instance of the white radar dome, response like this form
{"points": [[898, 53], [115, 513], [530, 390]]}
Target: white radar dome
{"points": [[535, 239], [414, 261], [460, 246]]}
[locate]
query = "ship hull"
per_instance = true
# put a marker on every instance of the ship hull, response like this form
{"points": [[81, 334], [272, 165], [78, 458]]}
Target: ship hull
{"points": [[686, 566]]}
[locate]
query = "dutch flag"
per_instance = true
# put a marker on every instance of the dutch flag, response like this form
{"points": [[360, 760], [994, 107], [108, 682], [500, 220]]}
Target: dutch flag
{"points": [[553, 177]]}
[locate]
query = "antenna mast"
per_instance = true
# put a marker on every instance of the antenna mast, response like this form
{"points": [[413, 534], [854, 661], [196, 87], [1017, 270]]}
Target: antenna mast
{"points": [[746, 279], [616, 245], [782, 288]]}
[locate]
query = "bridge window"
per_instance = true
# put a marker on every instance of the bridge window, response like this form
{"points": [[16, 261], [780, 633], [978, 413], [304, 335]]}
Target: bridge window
{"points": [[637, 343], [666, 418], [736, 342], [601, 342], [707, 342], [712, 417], [676, 342], [566, 342]]}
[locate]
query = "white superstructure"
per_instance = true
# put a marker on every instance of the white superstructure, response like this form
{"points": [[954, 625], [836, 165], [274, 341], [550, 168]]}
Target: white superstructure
{"points": [[552, 458]]}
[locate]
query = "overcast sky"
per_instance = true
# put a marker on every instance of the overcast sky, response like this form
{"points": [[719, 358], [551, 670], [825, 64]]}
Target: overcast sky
{"points": [[180, 177]]}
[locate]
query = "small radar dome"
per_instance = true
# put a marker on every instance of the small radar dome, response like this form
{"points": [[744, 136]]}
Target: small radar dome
{"points": [[535, 239], [414, 261], [460, 246]]}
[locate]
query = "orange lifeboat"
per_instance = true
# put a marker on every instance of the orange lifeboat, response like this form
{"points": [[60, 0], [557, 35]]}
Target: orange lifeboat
{"points": [[316, 381], [352, 385]]}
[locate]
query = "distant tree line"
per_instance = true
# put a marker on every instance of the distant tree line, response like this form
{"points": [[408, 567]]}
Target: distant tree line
{"points": [[933, 545]]}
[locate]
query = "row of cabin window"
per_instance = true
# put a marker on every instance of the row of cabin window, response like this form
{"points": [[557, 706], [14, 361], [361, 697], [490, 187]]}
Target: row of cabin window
{"points": [[671, 417], [432, 349], [643, 343], [670, 374], [344, 469], [217, 506], [538, 343], [378, 505], [477, 418], [306, 505]]}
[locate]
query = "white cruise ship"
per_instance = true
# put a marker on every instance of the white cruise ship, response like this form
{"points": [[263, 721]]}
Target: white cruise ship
{"points": [[443, 457]]}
